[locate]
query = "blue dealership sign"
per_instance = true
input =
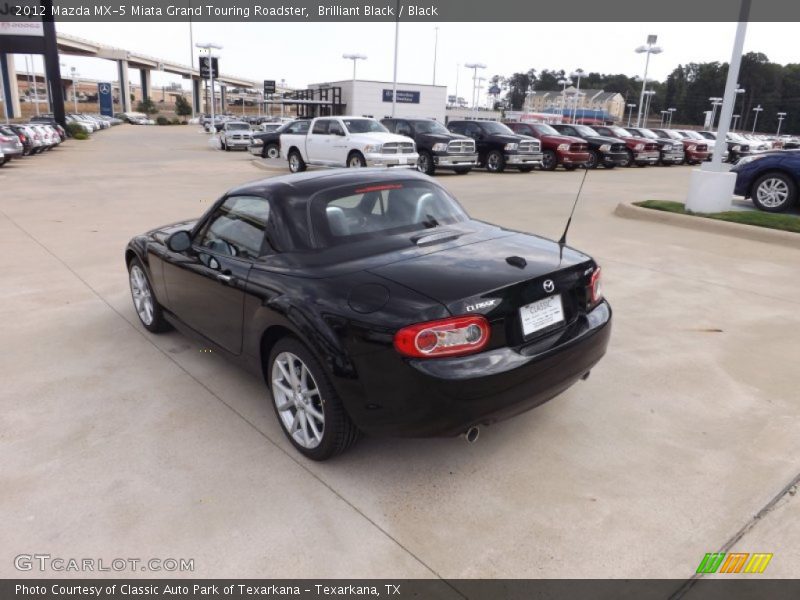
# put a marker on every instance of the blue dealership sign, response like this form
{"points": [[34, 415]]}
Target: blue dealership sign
{"points": [[402, 96], [106, 99]]}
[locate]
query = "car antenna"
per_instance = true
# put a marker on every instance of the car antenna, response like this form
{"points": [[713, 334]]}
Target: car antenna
{"points": [[563, 240]]}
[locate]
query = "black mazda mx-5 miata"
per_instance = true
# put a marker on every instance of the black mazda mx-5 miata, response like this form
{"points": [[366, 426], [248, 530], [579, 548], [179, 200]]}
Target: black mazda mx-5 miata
{"points": [[371, 302]]}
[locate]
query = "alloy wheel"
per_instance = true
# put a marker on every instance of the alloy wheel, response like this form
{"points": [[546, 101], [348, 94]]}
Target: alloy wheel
{"points": [[298, 400], [423, 163], [142, 296], [772, 192], [355, 162], [294, 163], [272, 152]]}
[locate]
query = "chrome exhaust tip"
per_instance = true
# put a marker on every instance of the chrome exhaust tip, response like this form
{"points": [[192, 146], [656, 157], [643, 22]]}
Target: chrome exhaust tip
{"points": [[471, 435]]}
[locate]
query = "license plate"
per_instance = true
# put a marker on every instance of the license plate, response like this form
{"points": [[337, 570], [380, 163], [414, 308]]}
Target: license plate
{"points": [[541, 314]]}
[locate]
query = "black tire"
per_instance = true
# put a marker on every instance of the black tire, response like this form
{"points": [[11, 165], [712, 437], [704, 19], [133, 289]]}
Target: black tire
{"points": [[525, 169], [296, 162], [628, 162], [225, 146], [549, 160], [425, 163], [594, 160], [356, 161], [665, 163], [610, 166], [271, 151], [339, 433], [641, 164], [570, 167], [781, 196], [495, 162], [157, 323], [463, 171]]}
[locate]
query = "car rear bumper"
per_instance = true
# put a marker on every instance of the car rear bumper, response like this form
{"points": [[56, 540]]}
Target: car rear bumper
{"points": [[445, 397], [694, 155], [454, 161]]}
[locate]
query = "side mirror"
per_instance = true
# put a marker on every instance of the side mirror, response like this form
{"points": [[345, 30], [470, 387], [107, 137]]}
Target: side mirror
{"points": [[180, 241]]}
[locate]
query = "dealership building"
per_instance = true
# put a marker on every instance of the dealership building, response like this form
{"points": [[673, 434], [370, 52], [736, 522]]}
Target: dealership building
{"points": [[374, 98]]}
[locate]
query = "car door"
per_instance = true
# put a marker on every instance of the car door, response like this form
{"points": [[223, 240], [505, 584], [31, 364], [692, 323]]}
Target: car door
{"points": [[206, 284], [318, 142], [338, 147], [474, 131]]}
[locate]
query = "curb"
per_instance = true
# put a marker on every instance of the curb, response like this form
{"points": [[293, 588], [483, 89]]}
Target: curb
{"points": [[259, 164], [740, 230]]}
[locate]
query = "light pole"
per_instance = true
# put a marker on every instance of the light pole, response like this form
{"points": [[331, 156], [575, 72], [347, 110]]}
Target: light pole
{"points": [[756, 110], [74, 72], [355, 58], [648, 49], [209, 46], [563, 83], [474, 66], [735, 121], [663, 113], [715, 102], [648, 98], [478, 88], [630, 113], [576, 73], [781, 117], [671, 112], [435, 52]]}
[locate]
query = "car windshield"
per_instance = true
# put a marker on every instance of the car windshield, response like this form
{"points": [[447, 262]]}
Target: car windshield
{"points": [[694, 135], [364, 126], [646, 133], [619, 131], [544, 129], [237, 126], [495, 127], [365, 212], [584, 130], [430, 127]]}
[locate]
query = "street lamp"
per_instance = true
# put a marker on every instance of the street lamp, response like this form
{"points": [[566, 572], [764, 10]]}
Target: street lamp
{"points": [[563, 83], [435, 52], [756, 110], [735, 121], [355, 58], [648, 95], [74, 72], [648, 49], [630, 113], [715, 102], [208, 47], [478, 87], [576, 73], [663, 113], [474, 66], [781, 117], [671, 112]]}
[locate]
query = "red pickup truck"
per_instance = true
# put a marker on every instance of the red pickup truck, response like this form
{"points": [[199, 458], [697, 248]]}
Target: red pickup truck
{"points": [[641, 151], [567, 151]]}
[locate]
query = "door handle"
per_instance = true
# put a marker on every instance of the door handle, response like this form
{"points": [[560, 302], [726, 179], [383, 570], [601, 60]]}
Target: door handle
{"points": [[223, 278]]}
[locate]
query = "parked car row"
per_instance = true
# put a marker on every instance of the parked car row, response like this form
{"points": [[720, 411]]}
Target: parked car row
{"points": [[27, 139], [90, 123]]}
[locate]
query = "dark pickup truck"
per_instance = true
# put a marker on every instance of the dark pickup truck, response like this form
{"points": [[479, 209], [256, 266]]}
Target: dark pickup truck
{"points": [[268, 143], [437, 147], [607, 151], [569, 152], [499, 147]]}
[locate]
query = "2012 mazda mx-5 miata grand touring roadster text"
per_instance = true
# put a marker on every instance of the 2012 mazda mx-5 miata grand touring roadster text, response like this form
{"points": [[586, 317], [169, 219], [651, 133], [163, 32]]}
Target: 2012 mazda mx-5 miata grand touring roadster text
{"points": [[371, 302]]}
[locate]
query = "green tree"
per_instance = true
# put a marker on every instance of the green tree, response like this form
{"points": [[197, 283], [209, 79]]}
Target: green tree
{"points": [[147, 107], [182, 107]]}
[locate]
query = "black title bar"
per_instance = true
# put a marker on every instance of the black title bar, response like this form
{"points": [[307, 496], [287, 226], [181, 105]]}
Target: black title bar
{"points": [[390, 10]]}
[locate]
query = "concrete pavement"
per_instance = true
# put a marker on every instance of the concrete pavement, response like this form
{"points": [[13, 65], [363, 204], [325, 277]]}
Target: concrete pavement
{"points": [[118, 443]]}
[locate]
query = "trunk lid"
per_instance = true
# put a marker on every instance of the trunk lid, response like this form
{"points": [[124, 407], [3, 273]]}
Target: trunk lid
{"points": [[496, 278]]}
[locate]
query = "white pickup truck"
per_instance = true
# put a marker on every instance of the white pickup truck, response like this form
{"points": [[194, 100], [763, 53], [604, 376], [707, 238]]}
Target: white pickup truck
{"points": [[347, 142]]}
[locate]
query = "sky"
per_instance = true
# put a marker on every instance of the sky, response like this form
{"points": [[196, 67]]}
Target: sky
{"points": [[303, 53]]}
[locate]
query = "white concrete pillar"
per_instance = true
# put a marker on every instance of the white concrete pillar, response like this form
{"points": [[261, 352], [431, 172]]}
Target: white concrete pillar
{"points": [[124, 86], [10, 89]]}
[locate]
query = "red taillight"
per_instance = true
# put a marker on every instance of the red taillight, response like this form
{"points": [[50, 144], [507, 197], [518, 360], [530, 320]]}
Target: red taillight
{"points": [[595, 288], [447, 337]]}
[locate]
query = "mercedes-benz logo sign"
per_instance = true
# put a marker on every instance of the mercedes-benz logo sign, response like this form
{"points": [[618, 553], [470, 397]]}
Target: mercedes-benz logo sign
{"points": [[549, 286], [105, 89]]}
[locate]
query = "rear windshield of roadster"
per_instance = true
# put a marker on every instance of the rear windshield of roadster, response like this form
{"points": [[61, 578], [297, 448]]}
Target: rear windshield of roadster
{"points": [[356, 213]]}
